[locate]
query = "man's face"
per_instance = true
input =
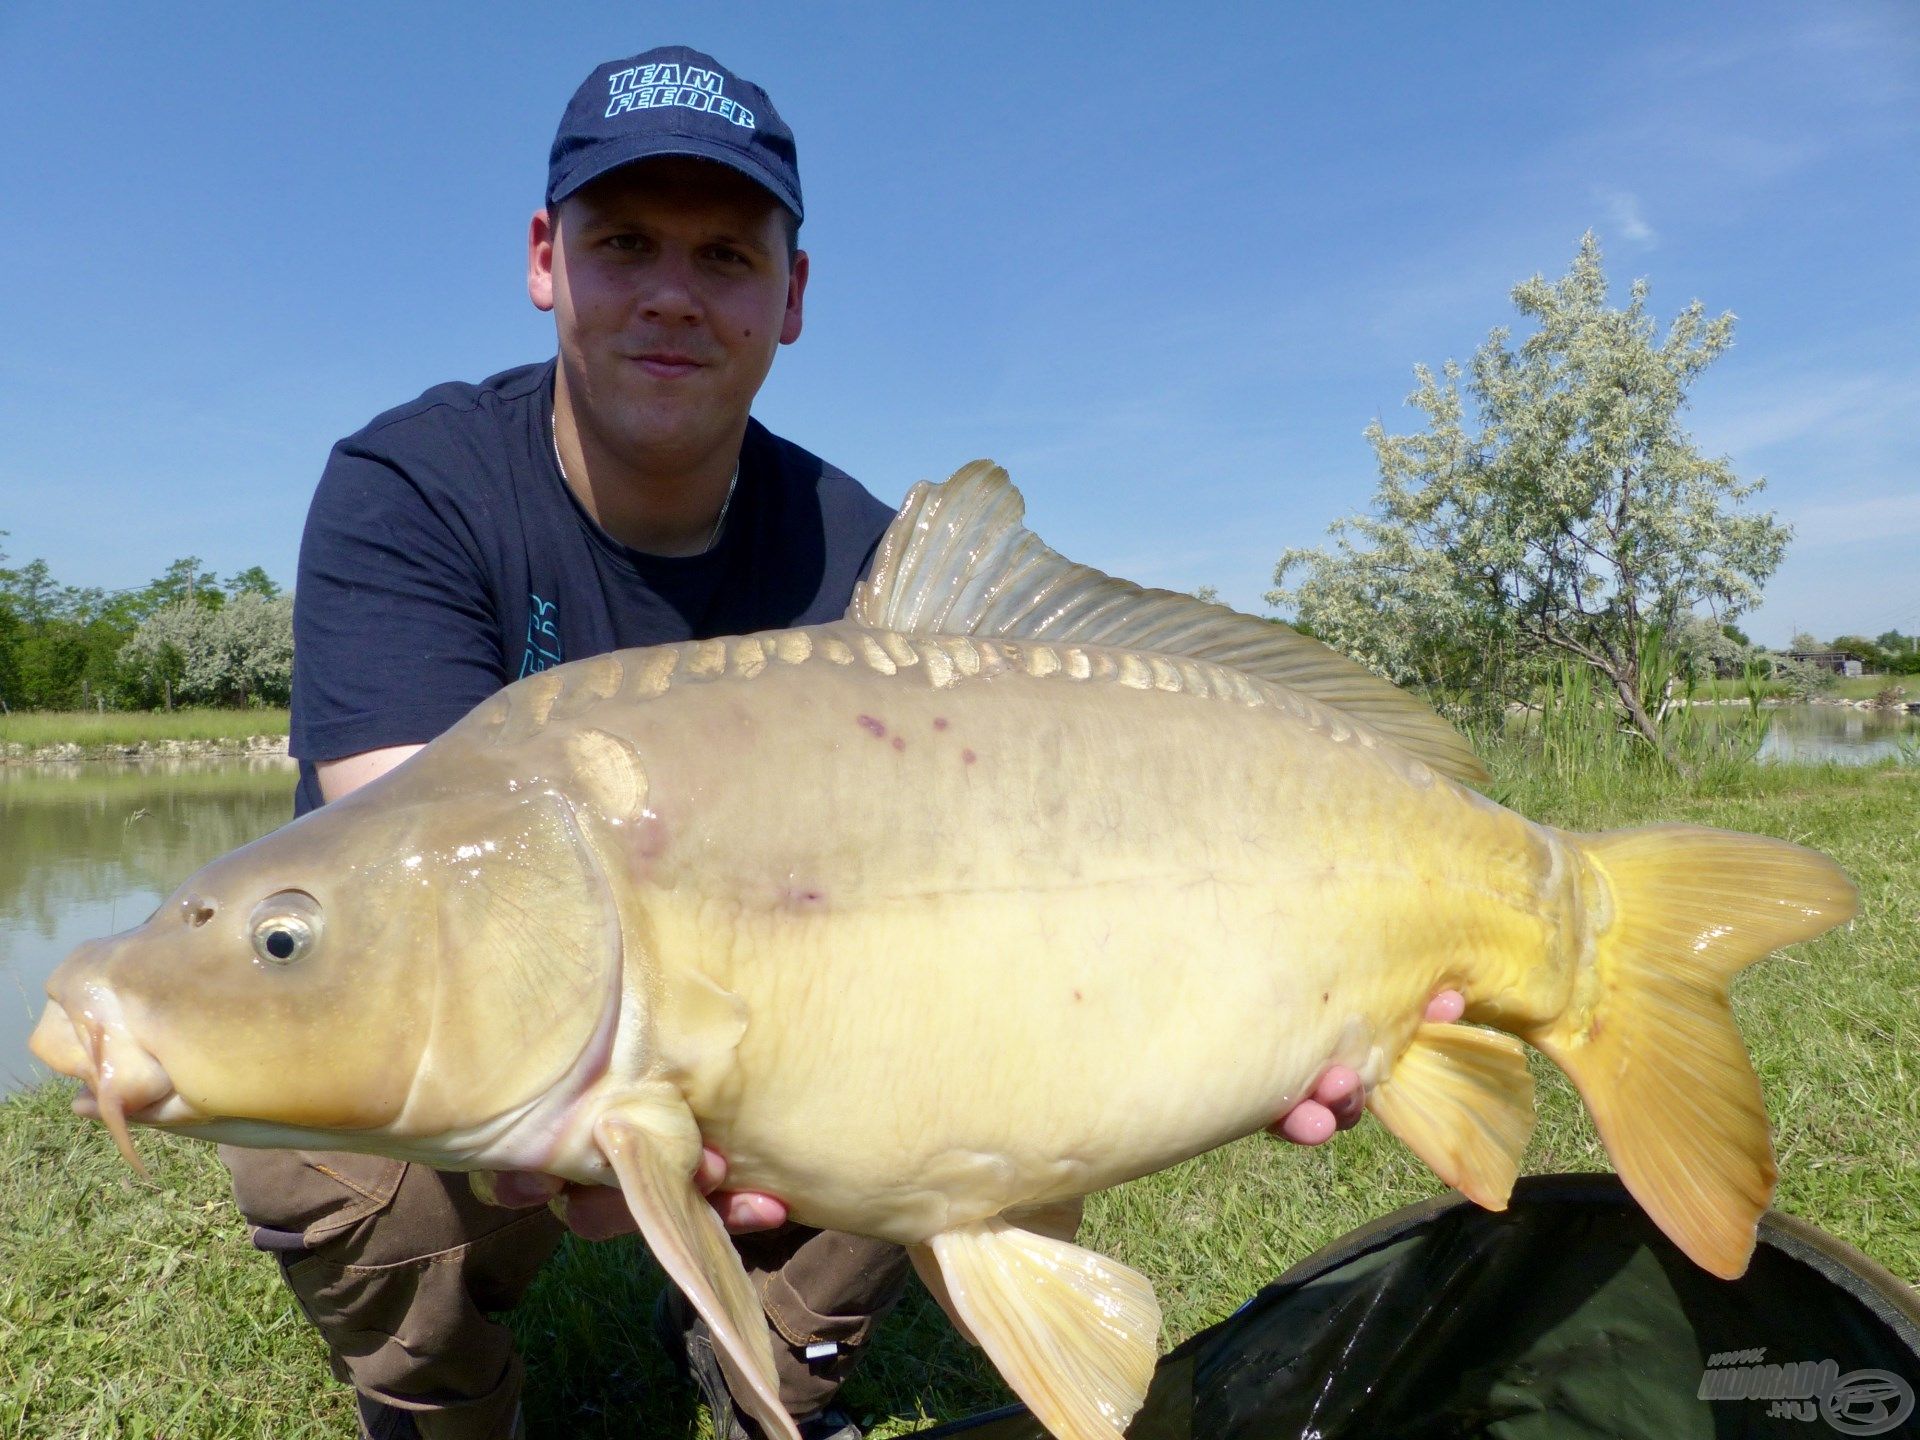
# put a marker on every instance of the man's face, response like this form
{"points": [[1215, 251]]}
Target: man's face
{"points": [[670, 287]]}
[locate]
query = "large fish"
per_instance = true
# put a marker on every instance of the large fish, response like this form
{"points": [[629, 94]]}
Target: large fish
{"points": [[1018, 883]]}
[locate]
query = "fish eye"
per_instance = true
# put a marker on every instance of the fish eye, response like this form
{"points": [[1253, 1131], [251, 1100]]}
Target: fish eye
{"points": [[285, 927]]}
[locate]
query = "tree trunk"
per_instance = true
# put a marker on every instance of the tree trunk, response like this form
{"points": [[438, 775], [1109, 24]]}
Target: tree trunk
{"points": [[1627, 687]]}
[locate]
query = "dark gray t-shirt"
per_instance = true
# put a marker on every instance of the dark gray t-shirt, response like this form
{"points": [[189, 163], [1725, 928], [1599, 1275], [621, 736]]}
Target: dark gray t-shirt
{"points": [[445, 556]]}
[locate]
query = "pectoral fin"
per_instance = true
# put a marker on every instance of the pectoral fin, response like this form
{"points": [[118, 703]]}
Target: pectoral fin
{"points": [[653, 1145], [1073, 1332], [1461, 1099]]}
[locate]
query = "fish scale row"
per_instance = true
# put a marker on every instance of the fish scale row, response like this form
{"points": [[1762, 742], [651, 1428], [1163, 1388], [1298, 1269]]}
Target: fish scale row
{"points": [[569, 692]]}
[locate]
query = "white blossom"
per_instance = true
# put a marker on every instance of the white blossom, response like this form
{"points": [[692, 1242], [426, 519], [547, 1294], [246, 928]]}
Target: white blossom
{"points": [[238, 654]]}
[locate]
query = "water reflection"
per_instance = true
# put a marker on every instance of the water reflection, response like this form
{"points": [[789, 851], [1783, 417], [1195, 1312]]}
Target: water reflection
{"points": [[1840, 733], [88, 849]]}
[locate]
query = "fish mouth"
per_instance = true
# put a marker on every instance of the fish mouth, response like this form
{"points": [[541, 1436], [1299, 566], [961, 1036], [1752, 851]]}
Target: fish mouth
{"points": [[124, 1081], [169, 1109]]}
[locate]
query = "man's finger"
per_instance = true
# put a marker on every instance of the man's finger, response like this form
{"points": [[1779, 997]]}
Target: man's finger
{"points": [[1446, 1007], [1308, 1123], [712, 1171], [1339, 1099], [742, 1211], [1344, 1096], [745, 1212]]}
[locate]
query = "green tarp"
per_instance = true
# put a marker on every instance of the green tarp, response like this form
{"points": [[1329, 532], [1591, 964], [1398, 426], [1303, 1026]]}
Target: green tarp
{"points": [[1567, 1317]]}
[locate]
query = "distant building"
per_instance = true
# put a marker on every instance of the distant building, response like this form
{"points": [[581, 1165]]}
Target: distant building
{"points": [[1840, 662]]}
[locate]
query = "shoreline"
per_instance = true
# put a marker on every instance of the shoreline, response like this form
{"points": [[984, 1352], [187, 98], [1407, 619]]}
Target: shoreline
{"points": [[1836, 702], [67, 752]]}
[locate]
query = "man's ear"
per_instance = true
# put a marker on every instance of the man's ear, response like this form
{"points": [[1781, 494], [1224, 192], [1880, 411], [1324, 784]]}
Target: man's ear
{"points": [[540, 240], [796, 292]]}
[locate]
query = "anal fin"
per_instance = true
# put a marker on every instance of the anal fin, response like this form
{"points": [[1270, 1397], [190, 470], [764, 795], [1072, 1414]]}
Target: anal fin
{"points": [[1059, 1219], [653, 1145], [1462, 1100], [927, 1266], [1072, 1332]]}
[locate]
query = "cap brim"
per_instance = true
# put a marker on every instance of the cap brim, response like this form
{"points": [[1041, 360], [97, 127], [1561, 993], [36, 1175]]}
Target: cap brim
{"points": [[604, 160]]}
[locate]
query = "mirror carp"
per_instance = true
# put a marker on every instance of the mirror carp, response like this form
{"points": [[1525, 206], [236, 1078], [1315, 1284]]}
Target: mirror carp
{"points": [[1016, 884]]}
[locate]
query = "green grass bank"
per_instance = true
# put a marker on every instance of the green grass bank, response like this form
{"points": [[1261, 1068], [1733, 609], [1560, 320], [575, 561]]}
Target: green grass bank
{"points": [[86, 734], [1845, 687], [131, 1309]]}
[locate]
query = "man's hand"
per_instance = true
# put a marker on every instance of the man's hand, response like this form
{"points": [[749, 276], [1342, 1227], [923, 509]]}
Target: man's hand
{"points": [[599, 1212], [1339, 1099]]}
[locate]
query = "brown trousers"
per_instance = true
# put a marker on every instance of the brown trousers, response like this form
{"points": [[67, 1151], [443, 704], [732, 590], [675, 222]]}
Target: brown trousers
{"points": [[400, 1267]]}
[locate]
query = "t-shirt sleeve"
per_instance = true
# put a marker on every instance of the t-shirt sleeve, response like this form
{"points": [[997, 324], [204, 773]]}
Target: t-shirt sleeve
{"points": [[395, 631]]}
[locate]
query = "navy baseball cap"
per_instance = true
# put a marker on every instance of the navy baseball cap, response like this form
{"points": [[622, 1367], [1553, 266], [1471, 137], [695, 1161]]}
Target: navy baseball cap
{"points": [[672, 101]]}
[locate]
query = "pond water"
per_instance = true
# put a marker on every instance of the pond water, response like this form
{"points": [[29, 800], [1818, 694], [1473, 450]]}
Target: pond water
{"points": [[1840, 734], [86, 850]]}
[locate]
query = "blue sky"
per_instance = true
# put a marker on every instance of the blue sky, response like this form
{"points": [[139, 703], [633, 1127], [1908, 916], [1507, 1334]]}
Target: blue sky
{"points": [[1165, 271]]}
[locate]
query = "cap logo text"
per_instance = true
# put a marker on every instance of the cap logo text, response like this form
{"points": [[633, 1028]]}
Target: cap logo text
{"points": [[666, 86]]}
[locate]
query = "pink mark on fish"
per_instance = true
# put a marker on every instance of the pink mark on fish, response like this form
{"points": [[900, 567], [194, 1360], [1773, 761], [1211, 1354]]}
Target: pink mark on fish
{"points": [[939, 722], [804, 897], [968, 757], [873, 727], [650, 841], [899, 743]]}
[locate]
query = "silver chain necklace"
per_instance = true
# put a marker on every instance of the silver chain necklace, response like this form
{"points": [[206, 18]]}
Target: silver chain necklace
{"points": [[719, 524]]}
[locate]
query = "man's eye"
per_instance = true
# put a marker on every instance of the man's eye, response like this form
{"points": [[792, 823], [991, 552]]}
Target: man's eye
{"points": [[627, 243], [727, 256]]}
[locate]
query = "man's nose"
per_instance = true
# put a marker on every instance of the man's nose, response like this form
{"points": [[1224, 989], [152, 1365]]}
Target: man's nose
{"points": [[671, 294]]}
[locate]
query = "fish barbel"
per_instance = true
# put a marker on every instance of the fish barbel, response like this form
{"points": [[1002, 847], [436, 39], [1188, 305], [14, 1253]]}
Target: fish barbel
{"points": [[1018, 883]]}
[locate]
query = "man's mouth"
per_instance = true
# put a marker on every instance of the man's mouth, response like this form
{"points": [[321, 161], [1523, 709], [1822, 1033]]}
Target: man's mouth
{"points": [[667, 366]]}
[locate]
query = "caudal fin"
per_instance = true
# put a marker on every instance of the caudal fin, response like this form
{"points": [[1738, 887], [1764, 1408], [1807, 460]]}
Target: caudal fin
{"points": [[1649, 1038]]}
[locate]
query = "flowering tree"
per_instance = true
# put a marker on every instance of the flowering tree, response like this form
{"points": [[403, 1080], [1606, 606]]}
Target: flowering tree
{"points": [[239, 653], [1564, 512]]}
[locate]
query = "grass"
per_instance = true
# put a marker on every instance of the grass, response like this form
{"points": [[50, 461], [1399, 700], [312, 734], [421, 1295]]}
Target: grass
{"points": [[136, 1310], [112, 729], [1865, 687], [1845, 687]]}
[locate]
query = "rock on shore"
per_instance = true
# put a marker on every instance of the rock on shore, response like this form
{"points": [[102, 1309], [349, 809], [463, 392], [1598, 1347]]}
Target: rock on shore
{"points": [[67, 751]]}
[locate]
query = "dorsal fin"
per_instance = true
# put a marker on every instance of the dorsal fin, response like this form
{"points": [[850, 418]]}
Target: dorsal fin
{"points": [[957, 561]]}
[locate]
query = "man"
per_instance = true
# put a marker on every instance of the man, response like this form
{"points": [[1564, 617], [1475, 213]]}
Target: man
{"points": [[619, 495]]}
